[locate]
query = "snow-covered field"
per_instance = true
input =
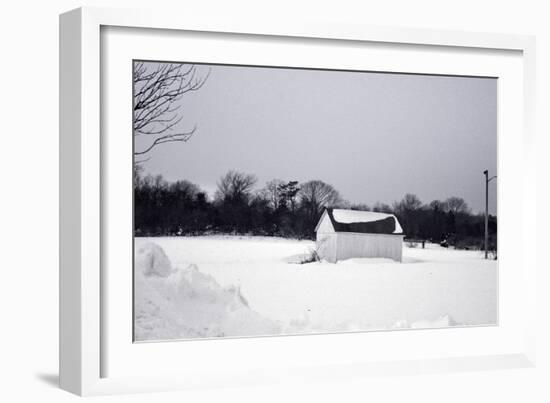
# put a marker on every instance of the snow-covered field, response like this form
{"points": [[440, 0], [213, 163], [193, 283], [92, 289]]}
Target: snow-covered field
{"points": [[216, 286]]}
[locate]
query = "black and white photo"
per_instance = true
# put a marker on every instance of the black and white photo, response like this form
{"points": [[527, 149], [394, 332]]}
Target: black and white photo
{"points": [[280, 201]]}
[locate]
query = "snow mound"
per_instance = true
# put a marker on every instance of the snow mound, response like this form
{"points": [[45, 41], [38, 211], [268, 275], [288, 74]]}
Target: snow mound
{"points": [[180, 303], [354, 216], [308, 256], [152, 261]]}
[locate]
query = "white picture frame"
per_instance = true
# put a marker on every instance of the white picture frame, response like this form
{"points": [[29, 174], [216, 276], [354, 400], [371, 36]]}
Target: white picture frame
{"points": [[85, 346]]}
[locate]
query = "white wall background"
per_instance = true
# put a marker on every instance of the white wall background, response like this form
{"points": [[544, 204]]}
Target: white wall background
{"points": [[29, 186]]}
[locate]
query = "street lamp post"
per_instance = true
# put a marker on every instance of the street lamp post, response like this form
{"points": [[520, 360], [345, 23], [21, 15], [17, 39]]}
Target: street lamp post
{"points": [[487, 180]]}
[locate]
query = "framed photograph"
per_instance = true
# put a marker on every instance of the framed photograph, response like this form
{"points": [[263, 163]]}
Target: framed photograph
{"points": [[245, 202]]}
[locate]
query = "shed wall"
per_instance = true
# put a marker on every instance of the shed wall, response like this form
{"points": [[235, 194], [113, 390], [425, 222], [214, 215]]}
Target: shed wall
{"points": [[352, 245], [326, 246], [342, 245], [325, 226]]}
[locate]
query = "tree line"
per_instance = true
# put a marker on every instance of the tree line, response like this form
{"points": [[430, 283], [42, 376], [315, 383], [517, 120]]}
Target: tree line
{"points": [[288, 209]]}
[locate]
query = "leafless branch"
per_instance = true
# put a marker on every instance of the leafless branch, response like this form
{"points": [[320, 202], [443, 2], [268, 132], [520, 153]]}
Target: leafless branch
{"points": [[167, 138], [158, 90]]}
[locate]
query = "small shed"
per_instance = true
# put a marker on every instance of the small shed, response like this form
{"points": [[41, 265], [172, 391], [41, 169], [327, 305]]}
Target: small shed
{"points": [[344, 234]]}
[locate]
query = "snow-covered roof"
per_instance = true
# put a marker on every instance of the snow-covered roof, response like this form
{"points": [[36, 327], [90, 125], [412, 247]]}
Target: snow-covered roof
{"points": [[363, 221]]}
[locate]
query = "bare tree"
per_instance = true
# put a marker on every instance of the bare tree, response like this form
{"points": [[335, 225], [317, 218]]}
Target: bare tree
{"points": [[409, 212], [316, 194], [382, 208], [272, 192], [235, 186], [438, 206], [185, 189], [409, 203], [158, 88], [138, 170], [457, 205]]}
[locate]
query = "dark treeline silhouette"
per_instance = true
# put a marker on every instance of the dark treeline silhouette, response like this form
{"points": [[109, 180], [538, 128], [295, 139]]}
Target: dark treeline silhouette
{"points": [[288, 209]]}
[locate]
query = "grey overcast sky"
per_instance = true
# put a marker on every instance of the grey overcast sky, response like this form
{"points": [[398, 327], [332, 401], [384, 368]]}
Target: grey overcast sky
{"points": [[373, 136]]}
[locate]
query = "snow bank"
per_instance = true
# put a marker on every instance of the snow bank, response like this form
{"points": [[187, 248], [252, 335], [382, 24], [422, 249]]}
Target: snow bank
{"points": [[154, 261], [433, 287], [354, 216], [177, 303]]}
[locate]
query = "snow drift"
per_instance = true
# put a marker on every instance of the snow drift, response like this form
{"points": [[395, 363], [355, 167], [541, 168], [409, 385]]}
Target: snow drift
{"points": [[250, 286], [178, 303]]}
